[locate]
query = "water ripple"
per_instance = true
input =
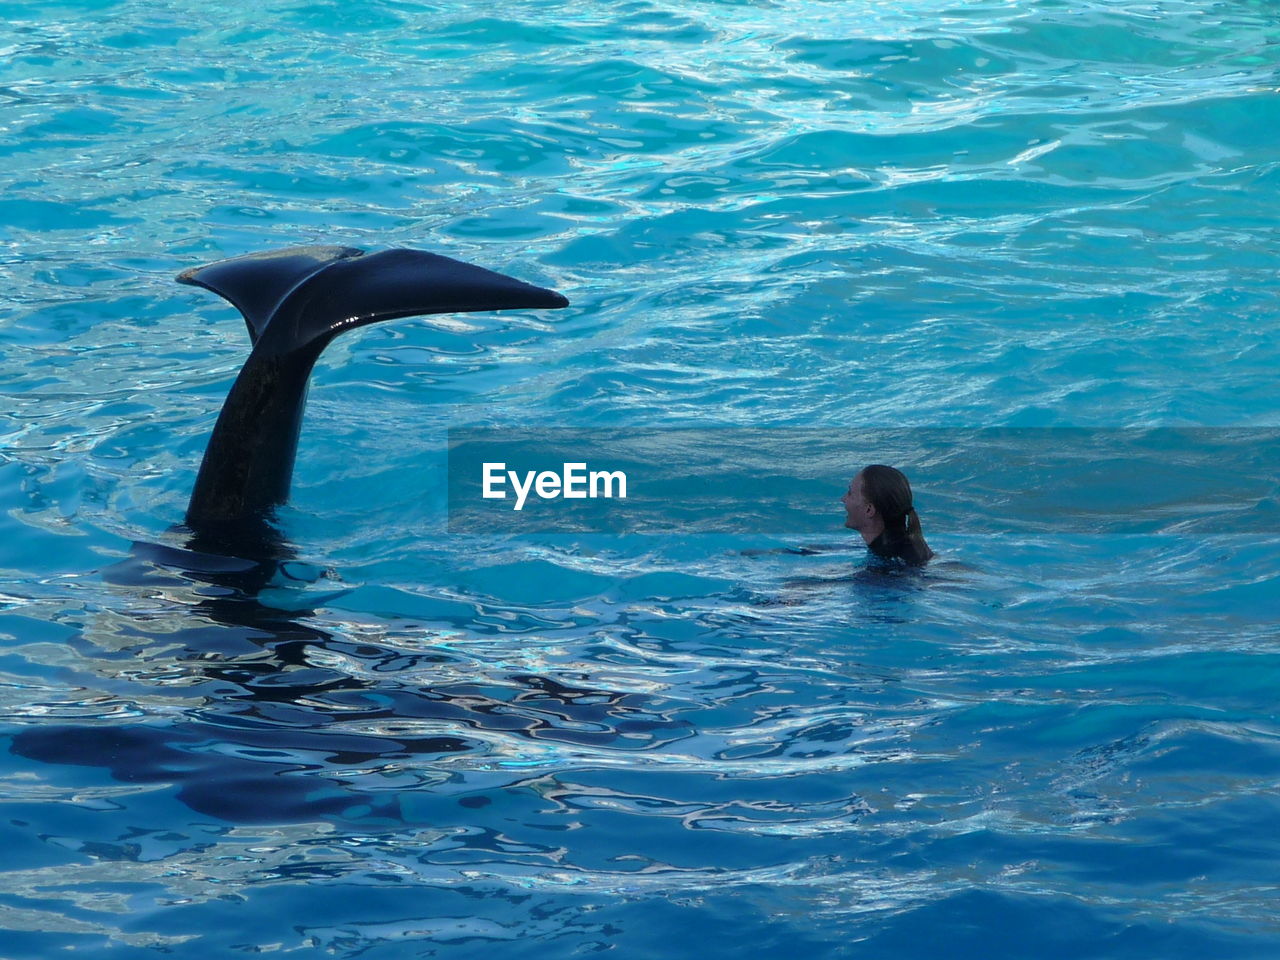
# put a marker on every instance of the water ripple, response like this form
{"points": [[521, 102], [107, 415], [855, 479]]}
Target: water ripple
{"points": [[785, 214]]}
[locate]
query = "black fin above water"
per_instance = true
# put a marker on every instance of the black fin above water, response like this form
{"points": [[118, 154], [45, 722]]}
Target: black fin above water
{"points": [[294, 302], [257, 284]]}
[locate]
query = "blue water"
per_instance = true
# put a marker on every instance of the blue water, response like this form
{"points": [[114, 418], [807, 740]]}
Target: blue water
{"points": [[830, 218]]}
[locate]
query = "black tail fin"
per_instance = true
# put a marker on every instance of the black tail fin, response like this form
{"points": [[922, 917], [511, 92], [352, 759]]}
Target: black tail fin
{"points": [[257, 284], [294, 302], [331, 289]]}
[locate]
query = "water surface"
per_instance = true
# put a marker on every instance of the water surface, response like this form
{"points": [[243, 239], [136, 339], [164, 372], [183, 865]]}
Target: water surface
{"points": [[809, 217]]}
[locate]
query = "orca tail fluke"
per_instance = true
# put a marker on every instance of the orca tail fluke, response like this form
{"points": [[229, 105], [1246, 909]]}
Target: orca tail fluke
{"points": [[258, 283], [331, 289], [294, 302]]}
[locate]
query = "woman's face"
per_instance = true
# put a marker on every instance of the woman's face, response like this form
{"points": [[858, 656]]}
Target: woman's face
{"points": [[857, 512]]}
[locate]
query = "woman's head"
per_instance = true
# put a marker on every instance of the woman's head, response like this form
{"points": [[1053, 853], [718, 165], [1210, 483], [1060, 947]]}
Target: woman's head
{"points": [[878, 505]]}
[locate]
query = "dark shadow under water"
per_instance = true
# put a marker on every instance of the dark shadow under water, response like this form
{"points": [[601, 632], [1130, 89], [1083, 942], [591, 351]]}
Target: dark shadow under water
{"points": [[886, 578], [266, 738]]}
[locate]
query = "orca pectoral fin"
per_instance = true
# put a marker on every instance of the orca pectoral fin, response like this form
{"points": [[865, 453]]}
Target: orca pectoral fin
{"points": [[257, 284]]}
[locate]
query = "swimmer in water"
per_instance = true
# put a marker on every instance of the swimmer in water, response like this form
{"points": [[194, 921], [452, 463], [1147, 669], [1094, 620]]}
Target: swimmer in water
{"points": [[878, 505]]}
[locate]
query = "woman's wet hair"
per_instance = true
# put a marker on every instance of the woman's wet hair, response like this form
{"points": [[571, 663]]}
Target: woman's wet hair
{"points": [[888, 490]]}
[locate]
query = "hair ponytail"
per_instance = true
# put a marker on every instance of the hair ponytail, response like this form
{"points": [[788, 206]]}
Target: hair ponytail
{"points": [[888, 490]]}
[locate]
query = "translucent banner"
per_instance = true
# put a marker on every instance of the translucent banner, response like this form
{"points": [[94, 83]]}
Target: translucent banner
{"points": [[783, 481]]}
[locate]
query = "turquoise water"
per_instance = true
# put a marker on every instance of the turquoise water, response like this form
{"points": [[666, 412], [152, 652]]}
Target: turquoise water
{"points": [[818, 218]]}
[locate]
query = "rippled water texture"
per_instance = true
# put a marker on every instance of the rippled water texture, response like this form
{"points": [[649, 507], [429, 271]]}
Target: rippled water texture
{"points": [[797, 216]]}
